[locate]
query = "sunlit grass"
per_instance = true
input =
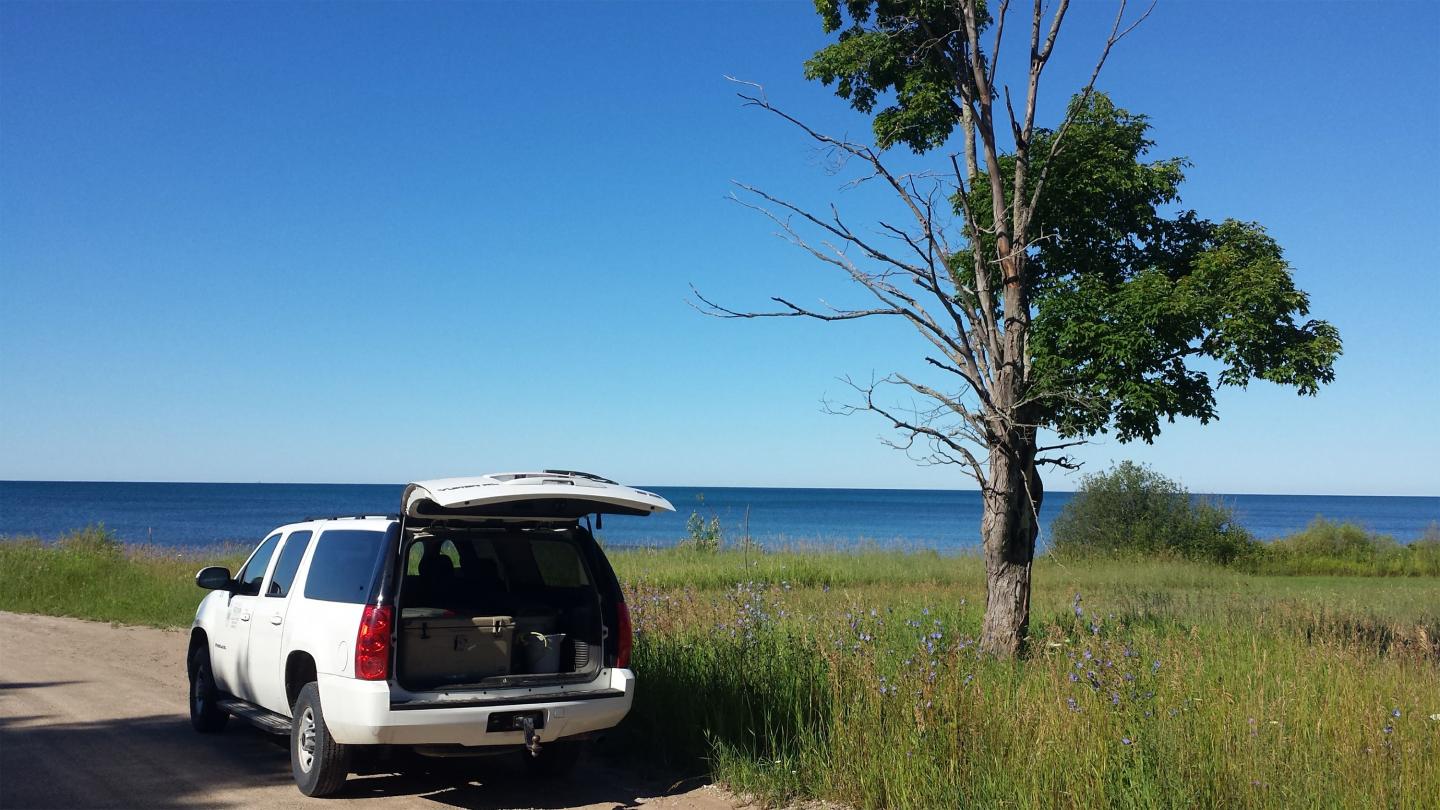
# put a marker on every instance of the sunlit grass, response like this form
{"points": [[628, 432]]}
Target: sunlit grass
{"points": [[854, 676], [877, 697], [89, 575]]}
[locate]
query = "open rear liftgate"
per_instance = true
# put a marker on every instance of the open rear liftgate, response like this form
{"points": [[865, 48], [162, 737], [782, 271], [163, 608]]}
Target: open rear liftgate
{"points": [[434, 647]]}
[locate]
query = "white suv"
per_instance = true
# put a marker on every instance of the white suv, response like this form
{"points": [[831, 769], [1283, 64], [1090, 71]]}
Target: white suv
{"points": [[483, 618]]}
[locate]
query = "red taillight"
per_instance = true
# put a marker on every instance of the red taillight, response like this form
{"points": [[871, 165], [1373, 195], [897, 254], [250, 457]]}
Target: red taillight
{"points": [[372, 644], [624, 640]]}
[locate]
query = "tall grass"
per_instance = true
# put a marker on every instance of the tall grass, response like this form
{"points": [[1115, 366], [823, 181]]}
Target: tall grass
{"points": [[90, 574], [1134, 696], [855, 677], [688, 567]]}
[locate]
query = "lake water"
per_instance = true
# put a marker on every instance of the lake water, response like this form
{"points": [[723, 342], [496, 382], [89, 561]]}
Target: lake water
{"points": [[948, 520]]}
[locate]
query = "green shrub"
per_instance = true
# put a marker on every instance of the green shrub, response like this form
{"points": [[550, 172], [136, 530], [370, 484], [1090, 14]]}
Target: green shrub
{"points": [[1330, 548], [93, 539], [704, 536], [1133, 510], [1345, 541]]}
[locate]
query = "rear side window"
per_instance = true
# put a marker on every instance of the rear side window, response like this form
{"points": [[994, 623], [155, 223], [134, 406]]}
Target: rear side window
{"points": [[346, 566], [559, 564], [288, 563], [254, 571]]}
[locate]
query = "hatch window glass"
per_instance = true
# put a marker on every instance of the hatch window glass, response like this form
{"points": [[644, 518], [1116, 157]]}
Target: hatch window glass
{"points": [[253, 573], [289, 562]]}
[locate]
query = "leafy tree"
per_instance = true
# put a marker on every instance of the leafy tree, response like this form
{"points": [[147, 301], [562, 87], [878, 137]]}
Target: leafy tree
{"points": [[1055, 287]]}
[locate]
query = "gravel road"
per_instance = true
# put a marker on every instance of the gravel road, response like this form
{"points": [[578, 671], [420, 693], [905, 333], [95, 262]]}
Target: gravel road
{"points": [[93, 715]]}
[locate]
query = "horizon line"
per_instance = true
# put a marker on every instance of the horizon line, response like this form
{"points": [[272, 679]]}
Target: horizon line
{"points": [[680, 486]]}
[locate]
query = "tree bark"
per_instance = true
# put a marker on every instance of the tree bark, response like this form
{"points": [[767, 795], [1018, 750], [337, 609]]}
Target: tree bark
{"points": [[1008, 530]]}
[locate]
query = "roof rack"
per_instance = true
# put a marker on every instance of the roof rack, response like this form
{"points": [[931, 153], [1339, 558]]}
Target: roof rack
{"points": [[349, 517], [578, 474]]}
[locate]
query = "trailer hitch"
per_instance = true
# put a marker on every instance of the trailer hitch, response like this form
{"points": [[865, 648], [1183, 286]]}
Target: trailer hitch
{"points": [[532, 739]]}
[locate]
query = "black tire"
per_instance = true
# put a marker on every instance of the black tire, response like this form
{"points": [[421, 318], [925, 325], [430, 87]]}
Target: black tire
{"points": [[319, 764], [556, 758], [206, 716]]}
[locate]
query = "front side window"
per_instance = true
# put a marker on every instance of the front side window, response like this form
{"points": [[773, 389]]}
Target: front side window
{"points": [[289, 563], [253, 573]]}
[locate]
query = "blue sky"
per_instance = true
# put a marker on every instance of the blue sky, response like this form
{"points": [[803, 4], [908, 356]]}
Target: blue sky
{"points": [[371, 243]]}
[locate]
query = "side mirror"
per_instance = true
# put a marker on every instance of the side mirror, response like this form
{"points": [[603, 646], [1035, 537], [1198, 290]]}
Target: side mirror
{"points": [[215, 578]]}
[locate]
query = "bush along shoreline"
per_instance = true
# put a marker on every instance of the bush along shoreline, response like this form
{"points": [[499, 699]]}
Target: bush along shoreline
{"points": [[1133, 512]]}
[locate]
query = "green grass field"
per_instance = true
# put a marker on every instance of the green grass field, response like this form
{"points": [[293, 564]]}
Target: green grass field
{"points": [[854, 676]]}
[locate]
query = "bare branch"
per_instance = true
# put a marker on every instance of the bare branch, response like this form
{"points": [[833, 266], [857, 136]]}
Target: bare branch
{"points": [[956, 346], [917, 427], [1116, 34], [999, 35], [1063, 462], [709, 307]]}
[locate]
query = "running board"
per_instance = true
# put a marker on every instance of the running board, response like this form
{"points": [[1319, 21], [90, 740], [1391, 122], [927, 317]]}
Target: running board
{"points": [[263, 719]]}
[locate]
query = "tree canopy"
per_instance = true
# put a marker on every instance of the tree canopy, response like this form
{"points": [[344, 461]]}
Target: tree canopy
{"points": [[1140, 309]]}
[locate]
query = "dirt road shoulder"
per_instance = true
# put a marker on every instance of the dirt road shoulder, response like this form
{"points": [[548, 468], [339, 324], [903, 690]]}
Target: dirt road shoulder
{"points": [[93, 715]]}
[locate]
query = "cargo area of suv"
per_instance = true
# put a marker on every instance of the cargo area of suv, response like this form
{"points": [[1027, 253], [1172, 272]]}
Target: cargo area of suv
{"points": [[493, 607]]}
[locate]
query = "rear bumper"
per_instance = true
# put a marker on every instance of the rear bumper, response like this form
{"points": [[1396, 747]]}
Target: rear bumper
{"points": [[360, 713]]}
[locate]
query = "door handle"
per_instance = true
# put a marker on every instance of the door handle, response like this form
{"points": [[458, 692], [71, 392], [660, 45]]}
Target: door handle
{"points": [[277, 618], [245, 616]]}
